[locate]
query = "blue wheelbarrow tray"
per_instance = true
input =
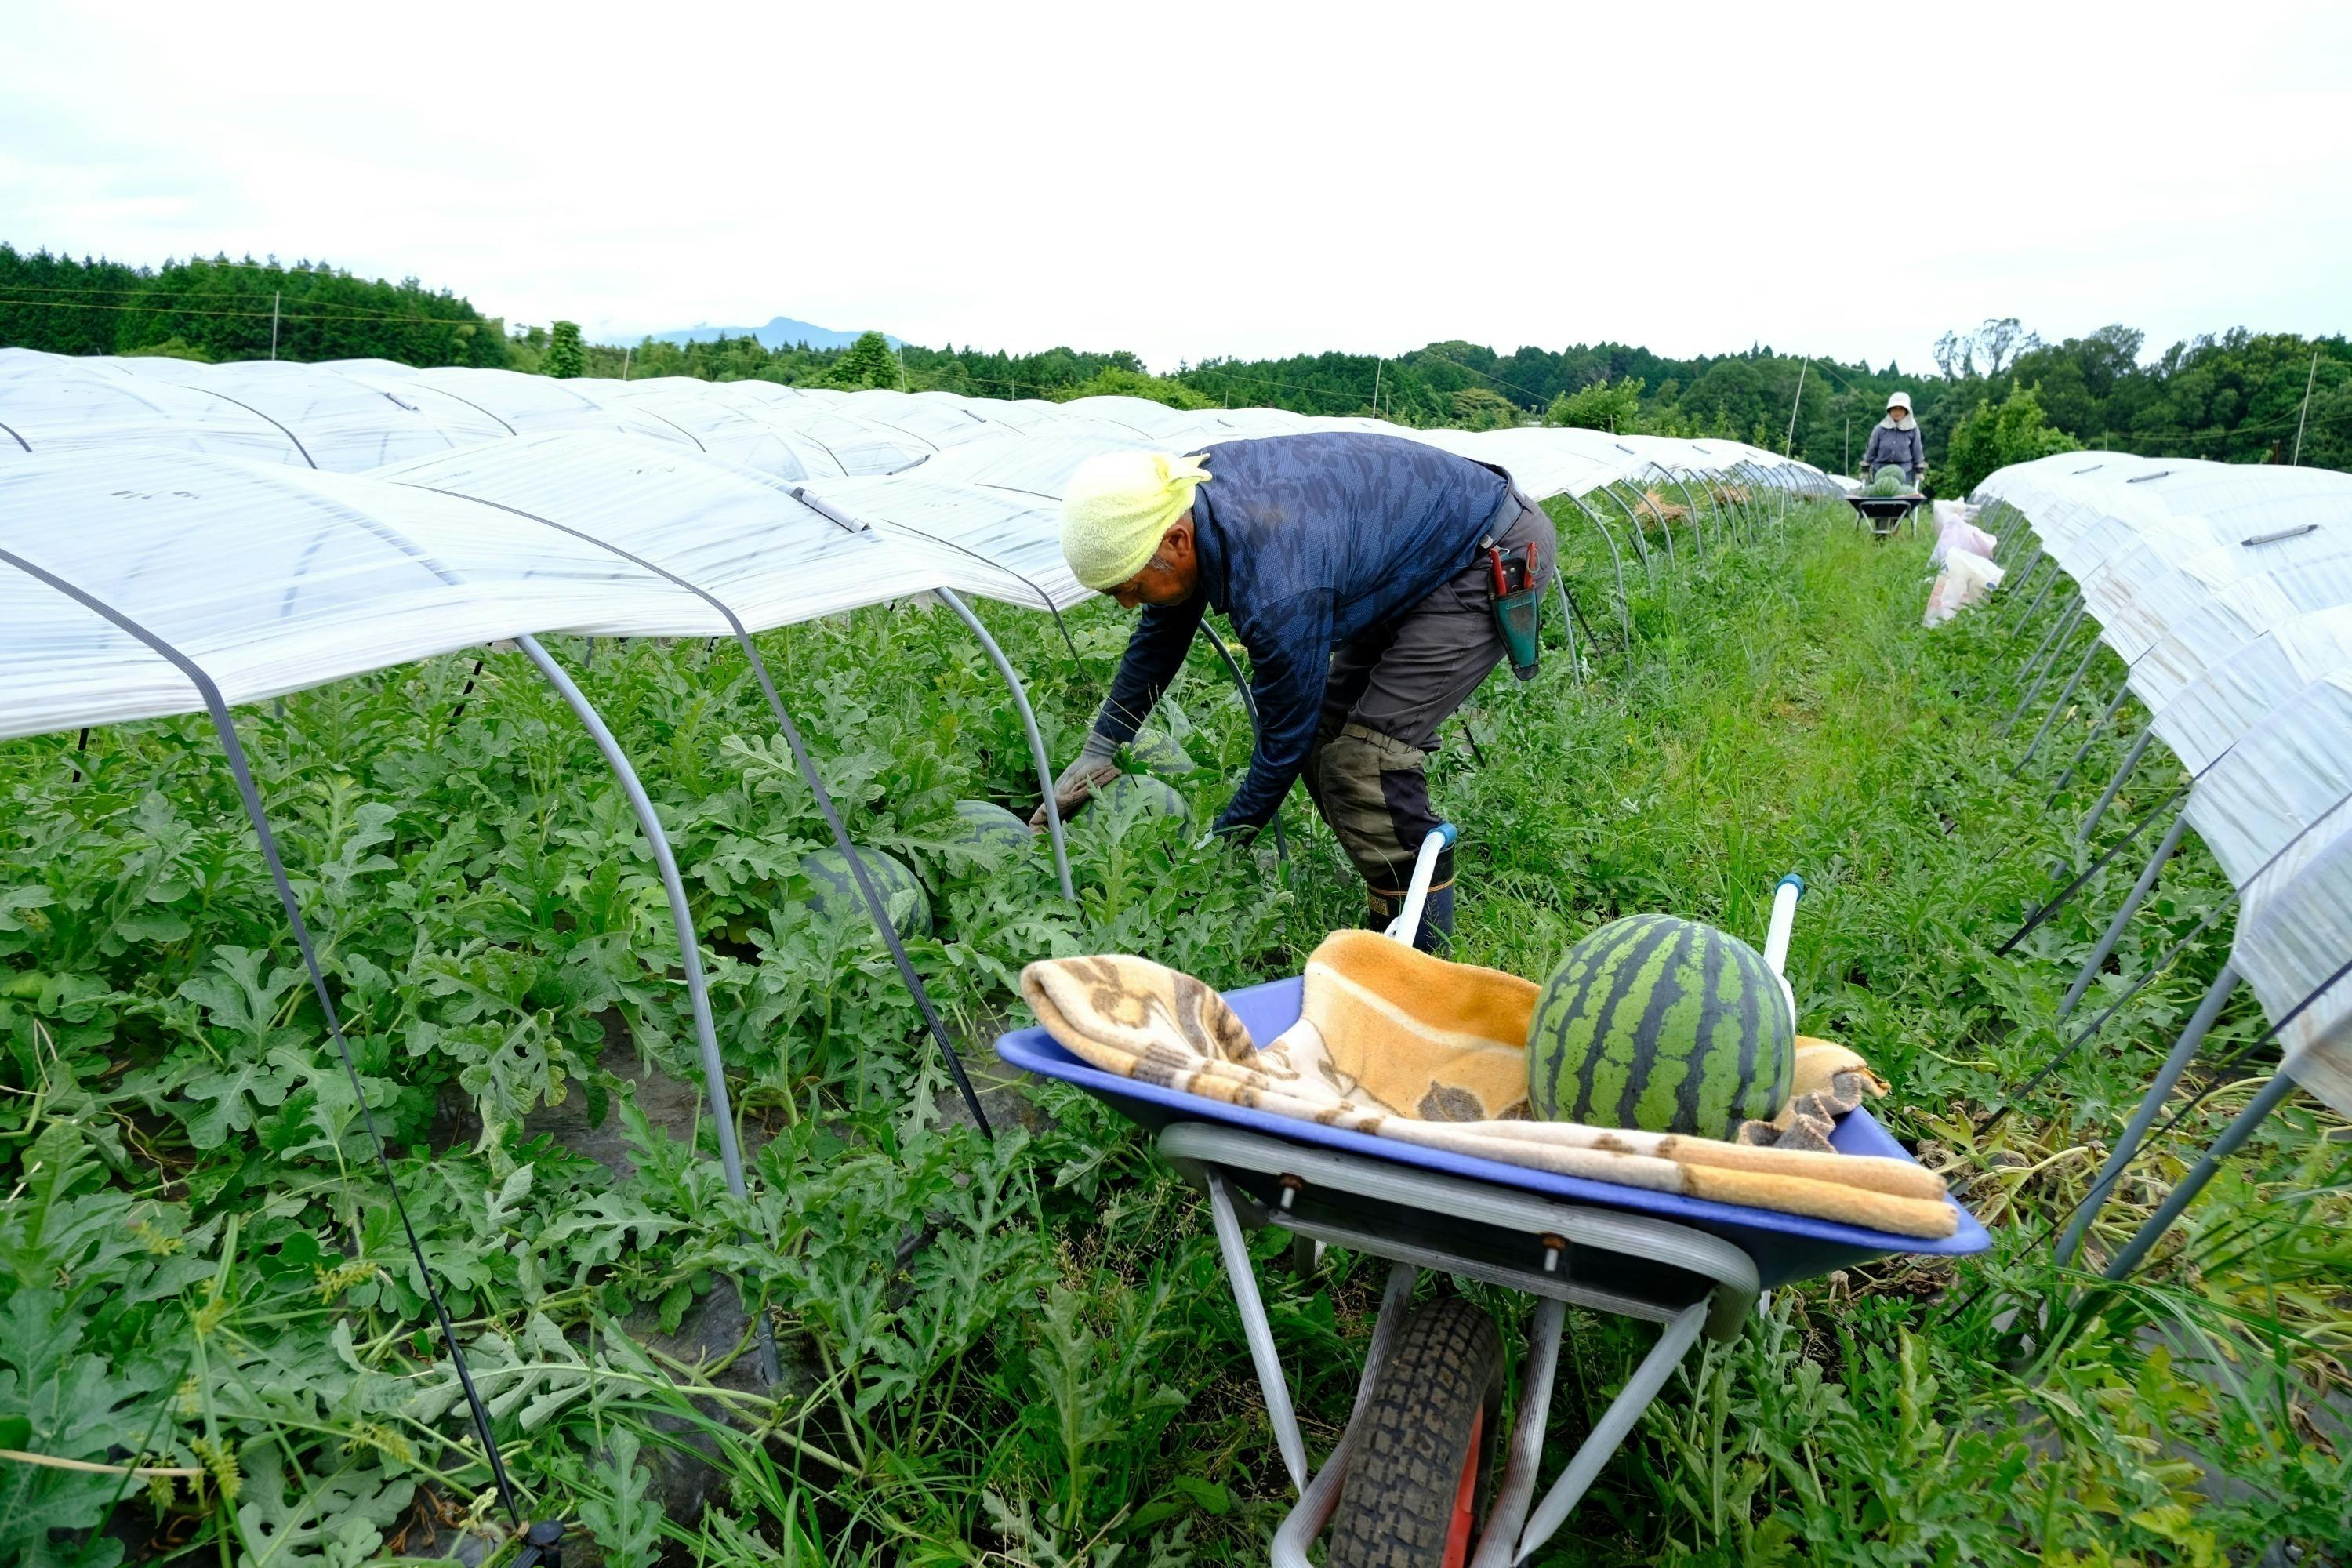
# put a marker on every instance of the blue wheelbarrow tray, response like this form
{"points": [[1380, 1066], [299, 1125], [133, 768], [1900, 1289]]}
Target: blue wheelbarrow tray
{"points": [[1784, 1247]]}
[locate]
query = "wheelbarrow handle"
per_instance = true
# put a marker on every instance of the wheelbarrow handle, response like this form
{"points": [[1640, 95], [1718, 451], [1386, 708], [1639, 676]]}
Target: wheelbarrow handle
{"points": [[1416, 893], [1785, 895], [1784, 920]]}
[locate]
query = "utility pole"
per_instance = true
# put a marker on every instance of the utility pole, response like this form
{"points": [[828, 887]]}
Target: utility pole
{"points": [[626, 350], [1789, 446], [2304, 418], [1376, 368], [273, 332], [1847, 466]]}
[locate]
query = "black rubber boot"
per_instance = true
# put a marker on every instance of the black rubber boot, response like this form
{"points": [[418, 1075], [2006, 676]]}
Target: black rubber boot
{"points": [[1436, 932]]}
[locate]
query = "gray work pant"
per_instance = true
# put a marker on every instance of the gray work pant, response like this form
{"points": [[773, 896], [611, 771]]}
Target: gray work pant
{"points": [[1390, 688]]}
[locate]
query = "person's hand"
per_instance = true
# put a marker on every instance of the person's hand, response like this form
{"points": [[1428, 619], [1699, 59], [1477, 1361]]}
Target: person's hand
{"points": [[1075, 786]]}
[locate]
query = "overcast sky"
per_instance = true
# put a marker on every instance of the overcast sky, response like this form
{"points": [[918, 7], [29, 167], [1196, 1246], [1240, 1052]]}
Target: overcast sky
{"points": [[1202, 180]]}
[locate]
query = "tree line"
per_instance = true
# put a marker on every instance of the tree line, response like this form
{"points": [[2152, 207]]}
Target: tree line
{"points": [[1997, 393]]}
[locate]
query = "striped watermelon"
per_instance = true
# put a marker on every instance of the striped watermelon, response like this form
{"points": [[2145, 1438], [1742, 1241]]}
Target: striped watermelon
{"points": [[1159, 753], [834, 893], [1146, 795], [985, 826], [1661, 1024]]}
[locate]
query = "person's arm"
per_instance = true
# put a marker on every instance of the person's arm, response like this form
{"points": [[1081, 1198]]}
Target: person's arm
{"points": [[1918, 452], [1290, 652], [1155, 652]]}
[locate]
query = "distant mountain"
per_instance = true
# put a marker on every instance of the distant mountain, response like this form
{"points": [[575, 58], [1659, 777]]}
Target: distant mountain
{"points": [[776, 334]]}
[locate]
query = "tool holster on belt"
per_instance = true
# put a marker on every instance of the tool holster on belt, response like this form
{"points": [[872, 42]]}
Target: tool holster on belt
{"points": [[1515, 576]]}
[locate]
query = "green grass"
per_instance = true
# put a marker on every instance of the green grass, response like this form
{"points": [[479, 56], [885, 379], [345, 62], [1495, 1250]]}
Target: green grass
{"points": [[198, 1252]]}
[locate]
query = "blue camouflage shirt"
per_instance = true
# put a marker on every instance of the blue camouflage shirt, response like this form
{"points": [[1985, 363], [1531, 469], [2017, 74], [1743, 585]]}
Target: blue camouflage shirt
{"points": [[1305, 542]]}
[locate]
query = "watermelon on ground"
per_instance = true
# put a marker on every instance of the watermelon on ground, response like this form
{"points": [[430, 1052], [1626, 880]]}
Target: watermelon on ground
{"points": [[833, 890], [1160, 753], [986, 825], [1142, 792], [1662, 1024]]}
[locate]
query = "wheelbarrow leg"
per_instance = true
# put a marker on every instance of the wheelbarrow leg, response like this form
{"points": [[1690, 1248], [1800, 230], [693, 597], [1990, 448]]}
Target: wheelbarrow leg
{"points": [[1499, 1540], [1320, 1497], [1615, 1425], [1260, 1333]]}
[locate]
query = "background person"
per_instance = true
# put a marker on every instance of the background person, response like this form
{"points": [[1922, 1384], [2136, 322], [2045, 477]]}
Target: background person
{"points": [[1894, 442], [1354, 570]]}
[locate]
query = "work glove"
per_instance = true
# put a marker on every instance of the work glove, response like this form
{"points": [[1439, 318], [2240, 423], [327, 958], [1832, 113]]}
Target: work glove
{"points": [[1096, 767]]}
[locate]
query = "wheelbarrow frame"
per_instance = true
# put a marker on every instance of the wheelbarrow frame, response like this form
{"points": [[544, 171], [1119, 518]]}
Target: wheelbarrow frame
{"points": [[1558, 1250], [1891, 511]]}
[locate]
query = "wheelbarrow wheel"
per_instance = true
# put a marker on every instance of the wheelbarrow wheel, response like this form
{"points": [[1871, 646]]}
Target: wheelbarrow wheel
{"points": [[1420, 1481]]}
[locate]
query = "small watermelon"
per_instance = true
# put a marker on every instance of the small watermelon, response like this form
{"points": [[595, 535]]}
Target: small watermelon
{"points": [[1661, 1024], [1146, 795], [986, 825], [833, 891]]}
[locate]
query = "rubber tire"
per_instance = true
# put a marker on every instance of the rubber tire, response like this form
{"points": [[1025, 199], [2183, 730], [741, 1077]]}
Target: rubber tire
{"points": [[1396, 1502]]}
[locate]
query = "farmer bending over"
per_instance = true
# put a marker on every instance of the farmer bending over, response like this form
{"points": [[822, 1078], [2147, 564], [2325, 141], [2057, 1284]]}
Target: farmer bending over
{"points": [[1360, 573], [1894, 442]]}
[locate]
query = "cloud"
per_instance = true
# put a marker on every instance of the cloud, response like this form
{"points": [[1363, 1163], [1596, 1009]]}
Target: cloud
{"points": [[1212, 179]]}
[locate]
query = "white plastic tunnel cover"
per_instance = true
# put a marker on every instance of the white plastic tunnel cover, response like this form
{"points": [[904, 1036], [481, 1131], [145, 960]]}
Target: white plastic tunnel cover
{"points": [[272, 580], [2227, 589], [741, 535]]}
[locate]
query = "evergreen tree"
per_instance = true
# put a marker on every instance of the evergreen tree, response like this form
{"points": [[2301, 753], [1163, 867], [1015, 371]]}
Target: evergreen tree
{"points": [[868, 362], [564, 357]]}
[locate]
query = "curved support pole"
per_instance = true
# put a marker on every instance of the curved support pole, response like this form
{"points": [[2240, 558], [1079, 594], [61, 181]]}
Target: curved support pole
{"points": [[2184, 1051], [877, 907], [1634, 525], [1758, 483], [1045, 765], [1249, 706], [1616, 560], [2184, 1191], [1567, 623], [2069, 610], [2042, 668], [689, 945], [2058, 706], [1665, 529], [2123, 689], [2106, 798], [2041, 594], [2014, 578], [2114, 932], [1699, 528]]}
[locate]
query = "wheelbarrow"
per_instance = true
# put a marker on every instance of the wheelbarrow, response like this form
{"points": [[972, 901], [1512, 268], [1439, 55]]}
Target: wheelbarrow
{"points": [[1885, 514], [1410, 1480]]}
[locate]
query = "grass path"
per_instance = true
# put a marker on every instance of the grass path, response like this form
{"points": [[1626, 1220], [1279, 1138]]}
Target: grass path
{"points": [[1785, 711]]}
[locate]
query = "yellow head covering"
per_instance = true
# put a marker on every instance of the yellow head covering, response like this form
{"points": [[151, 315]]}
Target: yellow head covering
{"points": [[1116, 509]]}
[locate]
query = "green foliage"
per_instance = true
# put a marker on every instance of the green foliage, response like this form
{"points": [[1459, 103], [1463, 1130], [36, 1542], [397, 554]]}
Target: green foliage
{"points": [[625, 1523], [868, 362], [200, 1271], [1995, 437], [1477, 408], [563, 358], [2236, 395], [1601, 406], [224, 309], [1112, 381]]}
